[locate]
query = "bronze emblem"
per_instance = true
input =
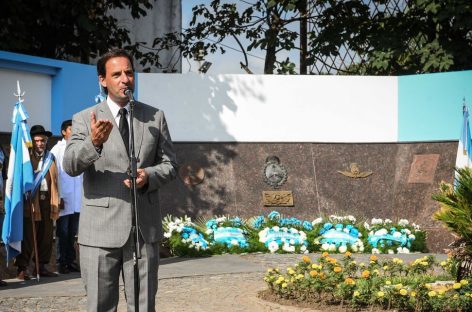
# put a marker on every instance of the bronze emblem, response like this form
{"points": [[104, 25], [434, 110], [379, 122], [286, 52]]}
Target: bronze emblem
{"points": [[355, 172], [274, 173], [191, 174]]}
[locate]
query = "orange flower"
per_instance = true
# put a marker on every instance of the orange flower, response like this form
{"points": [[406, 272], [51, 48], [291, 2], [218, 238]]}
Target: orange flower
{"points": [[322, 275], [373, 258], [337, 269], [325, 254], [365, 274], [313, 273], [306, 259], [348, 254], [332, 260]]}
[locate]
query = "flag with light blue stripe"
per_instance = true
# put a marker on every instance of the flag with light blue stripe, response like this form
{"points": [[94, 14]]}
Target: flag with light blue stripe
{"points": [[19, 182], [464, 150]]}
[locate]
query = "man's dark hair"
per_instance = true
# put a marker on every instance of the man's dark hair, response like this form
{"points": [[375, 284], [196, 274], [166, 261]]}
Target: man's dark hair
{"points": [[65, 125], [101, 70]]}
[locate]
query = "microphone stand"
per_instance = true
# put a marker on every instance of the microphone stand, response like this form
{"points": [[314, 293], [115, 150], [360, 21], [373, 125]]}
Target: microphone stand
{"points": [[133, 173]]}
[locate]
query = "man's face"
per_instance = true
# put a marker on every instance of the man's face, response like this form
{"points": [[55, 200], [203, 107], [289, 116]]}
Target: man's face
{"points": [[66, 133], [119, 77], [39, 143]]}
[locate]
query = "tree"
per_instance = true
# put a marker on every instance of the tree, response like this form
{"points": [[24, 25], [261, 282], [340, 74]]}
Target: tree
{"points": [[267, 25], [383, 37], [71, 30]]}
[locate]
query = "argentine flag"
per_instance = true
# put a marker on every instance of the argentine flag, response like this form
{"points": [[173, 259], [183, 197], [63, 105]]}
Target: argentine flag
{"points": [[464, 150], [20, 181]]}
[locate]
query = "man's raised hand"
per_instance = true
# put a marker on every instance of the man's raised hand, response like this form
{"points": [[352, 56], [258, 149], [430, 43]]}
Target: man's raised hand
{"points": [[101, 130]]}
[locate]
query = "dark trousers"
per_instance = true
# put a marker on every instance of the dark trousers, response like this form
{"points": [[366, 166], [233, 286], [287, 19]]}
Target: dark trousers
{"points": [[66, 230], [44, 231]]}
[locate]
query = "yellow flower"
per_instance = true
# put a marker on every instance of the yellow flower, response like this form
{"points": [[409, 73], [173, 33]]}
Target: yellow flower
{"points": [[398, 286], [432, 293], [365, 274], [373, 258], [424, 263], [403, 292], [278, 282], [337, 269], [270, 270], [413, 294], [427, 286], [464, 282], [300, 276], [441, 292], [443, 263], [325, 254], [313, 273], [362, 264], [284, 285], [306, 259], [388, 283], [376, 271], [281, 278], [349, 281], [385, 267], [380, 294], [290, 271], [348, 254], [456, 285], [456, 296], [397, 261], [356, 294]]}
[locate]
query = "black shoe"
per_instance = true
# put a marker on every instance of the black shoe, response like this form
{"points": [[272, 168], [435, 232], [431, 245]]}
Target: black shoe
{"points": [[63, 269], [73, 267]]}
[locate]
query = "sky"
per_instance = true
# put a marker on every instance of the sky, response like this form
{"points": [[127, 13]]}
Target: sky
{"points": [[227, 63]]}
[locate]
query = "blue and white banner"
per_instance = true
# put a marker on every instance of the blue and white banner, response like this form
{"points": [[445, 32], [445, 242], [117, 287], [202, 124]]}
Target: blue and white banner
{"points": [[19, 182]]}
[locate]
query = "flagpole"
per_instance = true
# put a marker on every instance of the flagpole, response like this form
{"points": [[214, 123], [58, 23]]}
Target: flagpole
{"points": [[20, 94]]}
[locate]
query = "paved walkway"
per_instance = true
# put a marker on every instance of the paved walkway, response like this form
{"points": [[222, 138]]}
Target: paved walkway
{"points": [[218, 283]]}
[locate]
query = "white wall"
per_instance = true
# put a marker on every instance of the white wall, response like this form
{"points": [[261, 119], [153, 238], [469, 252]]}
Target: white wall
{"points": [[274, 108], [37, 88]]}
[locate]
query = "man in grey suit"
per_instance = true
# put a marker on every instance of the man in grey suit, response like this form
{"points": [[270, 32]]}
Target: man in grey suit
{"points": [[99, 148]]}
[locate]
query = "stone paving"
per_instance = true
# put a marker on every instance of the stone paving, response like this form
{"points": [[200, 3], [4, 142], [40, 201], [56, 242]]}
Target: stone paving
{"points": [[219, 283]]}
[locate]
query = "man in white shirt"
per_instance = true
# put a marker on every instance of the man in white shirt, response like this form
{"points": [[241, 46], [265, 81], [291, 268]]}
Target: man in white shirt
{"points": [[70, 192]]}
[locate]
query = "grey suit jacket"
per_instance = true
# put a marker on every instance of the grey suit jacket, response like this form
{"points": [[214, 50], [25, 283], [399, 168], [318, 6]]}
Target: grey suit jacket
{"points": [[106, 215]]}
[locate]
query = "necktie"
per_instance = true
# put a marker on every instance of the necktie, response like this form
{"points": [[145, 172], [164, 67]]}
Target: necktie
{"points": [[124, 128]]}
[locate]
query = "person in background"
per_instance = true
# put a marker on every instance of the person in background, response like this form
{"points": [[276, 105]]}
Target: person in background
{"points": [[69, 208], [45, 201]]}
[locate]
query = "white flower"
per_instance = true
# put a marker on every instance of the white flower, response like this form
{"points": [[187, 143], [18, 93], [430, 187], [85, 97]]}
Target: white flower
{"points": [[354, 248], [303, 248], [412, 237], [273, 246], [375, 251], [390, 252], [209, 231], [403, 250], [332, 247], [167, 234], [407, 231], [276, 228], [342, 248], [234, 242], [403, 222], [351, 218], [346, 230], [325, 246], [294, 230], [288, 248], [361, 248], [387, 221], [359, 234], [317, 221], [376, 221], [367, 226], [397, 234], [381, 232]]}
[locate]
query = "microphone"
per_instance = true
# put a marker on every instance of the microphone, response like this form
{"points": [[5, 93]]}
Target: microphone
{"points": [[129, 94]]}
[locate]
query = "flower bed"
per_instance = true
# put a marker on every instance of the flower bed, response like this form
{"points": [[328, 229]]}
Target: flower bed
{"points": [[276, 233], [387, 284]]}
